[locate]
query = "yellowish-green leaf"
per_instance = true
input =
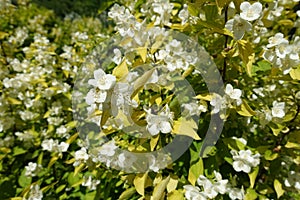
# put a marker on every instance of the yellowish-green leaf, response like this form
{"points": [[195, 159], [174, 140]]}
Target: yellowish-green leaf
{"points": [[139, 183], [175, 195], [205, 97], [78, 168], [295, 73], [3, 35], [172, 185], [252, 176], [278, 188], [121, 70], [71, 161], [247, 55], [142, 51], [127, 194], [140, 82], [159, 189], [13, 101], [52, 161], [250, 194], [47, 114], [186, 127], [153, 142], [245, 110], [71, 139], [292, 145], [195, 171]]}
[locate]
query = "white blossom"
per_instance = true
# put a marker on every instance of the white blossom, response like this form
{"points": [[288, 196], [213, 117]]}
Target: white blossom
{"points": [[244, 160], [160, 122], [32, 169], [250, 12], [278, 109], [193, 193], [236, 193], [35, 193], [90, 183], [102, 80], [238, 26], [80, 156]]}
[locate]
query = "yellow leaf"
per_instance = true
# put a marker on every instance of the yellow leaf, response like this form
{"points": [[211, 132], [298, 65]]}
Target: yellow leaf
{"points": [[295, 73], [159, 189], [140, 82], [78, 168], [13, 101], [127, 194], [72, 138], [142, 51], [172, 185], [184, 127], [245, 110], [139, 183], [153, 142], [205, 97], [121, 70], [278, 188], [175, 195], [52, 161]]}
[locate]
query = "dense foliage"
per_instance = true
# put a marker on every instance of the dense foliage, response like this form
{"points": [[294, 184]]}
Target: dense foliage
{"points": [[83, 81]]}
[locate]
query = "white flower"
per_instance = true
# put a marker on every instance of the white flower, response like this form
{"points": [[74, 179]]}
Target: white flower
{"points": [[108, 149], [283, 49], [95, 96], [275, 40], [244, 160], [184, 14], [35, 193], [251, 12], [278, 109], [118, 56], [233, 93], [49, 145], [209, 190], [293, 180], [298, 13], [238, 26], [63, 147], [193, 193], [80, 155], [236, 193], [220, 185], [102, 80], [90, 183], [218, 103], [32, 169], [160, 122]]}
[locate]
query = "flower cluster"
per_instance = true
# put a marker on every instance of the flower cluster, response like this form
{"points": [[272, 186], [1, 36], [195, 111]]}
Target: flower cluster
{"points": [[212, 188]]}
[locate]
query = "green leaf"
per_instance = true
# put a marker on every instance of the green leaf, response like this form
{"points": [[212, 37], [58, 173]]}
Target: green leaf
{"points": [[234, 144], [23, 180], [253, 175], [278, 188], [18, 151], [196, 169], [250, 194]]}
